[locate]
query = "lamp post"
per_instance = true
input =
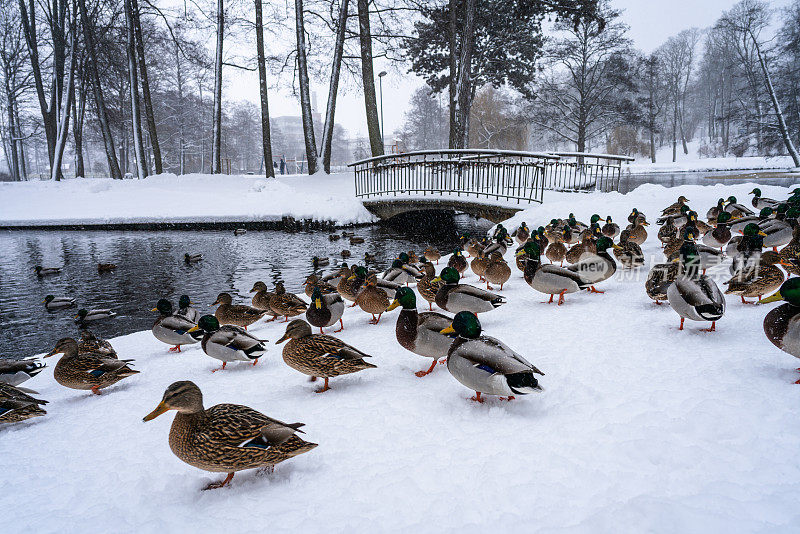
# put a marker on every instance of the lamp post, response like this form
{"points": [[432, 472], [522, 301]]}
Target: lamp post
{"points": [[381, 74]]}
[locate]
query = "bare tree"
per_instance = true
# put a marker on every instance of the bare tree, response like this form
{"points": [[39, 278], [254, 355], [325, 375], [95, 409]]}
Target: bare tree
{"points": [[333, 87], [133, 79], [216, 142], [266, 142], [145, 83], [677, 57], [305, 98], [368, 79]]}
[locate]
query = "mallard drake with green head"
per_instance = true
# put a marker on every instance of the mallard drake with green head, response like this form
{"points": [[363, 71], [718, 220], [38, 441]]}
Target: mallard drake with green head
{"points": [[764, 280], [172, 328], [497, 271], [733, 207], [426, 287], [746, 251], [91, 316], [402, 273], [455, 297], [782, 325], [693, 295], [713, 213], [186, 308], [628, 253], [93, 344], [57, 303], [485, 364], [325, 310], [764, 216], [420, 333], [15, 372], [319, 355], [228, 342], [16, 404], [373, 299], [760, 202], [87, 371], [235, 314], [286, 304], [549, 279], [226, 438]]}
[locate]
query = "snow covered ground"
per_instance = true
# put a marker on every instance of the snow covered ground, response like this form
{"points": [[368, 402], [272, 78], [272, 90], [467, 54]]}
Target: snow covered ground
{"points": [[189, 198], [692, 162], [641, 428]]}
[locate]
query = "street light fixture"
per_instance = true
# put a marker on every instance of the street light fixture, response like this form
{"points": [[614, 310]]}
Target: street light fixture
{"points": [[381, 74]]}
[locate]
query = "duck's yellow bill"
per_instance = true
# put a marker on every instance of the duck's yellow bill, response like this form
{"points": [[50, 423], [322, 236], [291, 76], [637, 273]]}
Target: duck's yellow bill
{"points": [[448, 330], [195, 328], [318, 303], [520, 253], [154, 309], [774, 298], [762, 234], [161, 408], [436, 280], [395, 303]]}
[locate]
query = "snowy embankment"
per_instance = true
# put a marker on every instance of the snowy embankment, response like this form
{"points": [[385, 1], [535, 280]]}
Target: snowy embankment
{"points": [[641, 427], [191, 198], [692, 162]]}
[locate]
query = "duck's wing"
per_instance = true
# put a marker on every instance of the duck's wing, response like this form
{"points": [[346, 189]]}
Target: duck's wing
{"points": [[472, 291], [392, 274], [19, 394], [233, 425], [235, 337], [563, 271], [491, 353], [97, 366], [177, 323], [336, 348], [433, 321], [700, 292]]}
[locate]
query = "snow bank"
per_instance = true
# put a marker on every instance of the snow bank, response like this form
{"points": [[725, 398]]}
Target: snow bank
{"points": [[641, 428], [191, 198], [692, 162]]}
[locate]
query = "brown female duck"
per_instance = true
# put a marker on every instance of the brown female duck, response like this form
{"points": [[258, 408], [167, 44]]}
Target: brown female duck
{"points": [[236, 314], [87, 371], [286, 304]]}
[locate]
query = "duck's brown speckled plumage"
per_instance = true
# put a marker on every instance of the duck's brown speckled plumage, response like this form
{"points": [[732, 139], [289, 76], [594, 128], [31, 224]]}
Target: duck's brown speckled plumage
{"points": [[658, 280], [372, 299], [286, 304], [236, 314], [261, 298], [88, 370], [426, 287], [790, 254], [763, 281], [17, 405], [313, 281], [93, 344]]}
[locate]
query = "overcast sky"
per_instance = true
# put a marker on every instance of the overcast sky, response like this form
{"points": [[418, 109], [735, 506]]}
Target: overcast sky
{"points": [[651, 23]]}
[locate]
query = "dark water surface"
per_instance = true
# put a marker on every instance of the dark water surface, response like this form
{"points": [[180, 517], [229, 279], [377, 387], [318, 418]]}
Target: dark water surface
{"points": [[629, 182], [150, 266]]}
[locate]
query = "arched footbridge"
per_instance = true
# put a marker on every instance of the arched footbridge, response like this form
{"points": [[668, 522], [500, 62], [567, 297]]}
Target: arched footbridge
{"points": [[493, 184]]}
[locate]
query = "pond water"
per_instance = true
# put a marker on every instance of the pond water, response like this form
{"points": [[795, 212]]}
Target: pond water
{"points": [[150, 266], [629, 182]]}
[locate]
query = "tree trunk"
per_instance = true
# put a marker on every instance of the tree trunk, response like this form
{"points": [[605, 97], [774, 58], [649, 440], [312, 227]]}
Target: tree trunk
{"points": [[266, 142], [305, 99], [787, 140], [463, 86], [145, 82], [368, 79], [338, 52], [12, 157], [63, 123], [133, 82], [78, 111], [216, 142], [453, 6], [97, 90]]}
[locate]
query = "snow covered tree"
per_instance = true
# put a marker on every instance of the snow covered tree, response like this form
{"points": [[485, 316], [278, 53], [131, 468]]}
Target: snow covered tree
{"points": [[677, 57]]}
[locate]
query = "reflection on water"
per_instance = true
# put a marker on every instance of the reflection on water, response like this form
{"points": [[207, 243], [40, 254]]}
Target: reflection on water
{"points": [[629, 182], [150, 265]]}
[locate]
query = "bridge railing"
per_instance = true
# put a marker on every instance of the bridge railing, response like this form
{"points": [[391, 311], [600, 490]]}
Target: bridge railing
{"points": [[507, 175]]}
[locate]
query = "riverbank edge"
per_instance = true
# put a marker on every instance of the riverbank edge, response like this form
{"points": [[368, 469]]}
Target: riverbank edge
{"points": [[285, 224]]}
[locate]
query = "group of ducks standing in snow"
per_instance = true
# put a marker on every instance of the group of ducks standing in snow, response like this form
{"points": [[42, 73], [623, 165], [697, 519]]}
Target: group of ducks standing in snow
{"points": [[228, 438]]}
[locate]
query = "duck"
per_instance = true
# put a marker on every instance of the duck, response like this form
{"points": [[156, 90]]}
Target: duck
{"points": [[497, 271], [679, 220], [501, 241], [334, 277], [790, 254], [457, 261], [426, 287], [92, 344], [46, 271], [746, 251], [629, 254], [633, 215], [764, 216], [782, 324], [485, 364], [778, 233], [318, 262], [432, 255], [286, 304], [346, 253], [359, 278], [638, 234], [585, 247], [52, 302], [313, 282], [236, 314], [760, 202], [455, 297], [369, 258], [373, 299], [228, 342], [420, 333], [610, 228], [540, 236], [350, 284], [106, 267], [733, 207], [356, 240], [764, 280], [226, 438], [675, 208], [668, 231], [693, 295], [659, 279], [325, 310], [172, 328], [319, 355], [261, 299], [556, 251], [87, 371], [186, 309], [16, 404], [522, 233], [719, 236], [15, 372], [549, 279], [598, 267], [402, 273], [472, 245], [479, 264], [192, 258], [334, 237], [90, 316], [239, 231]]}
